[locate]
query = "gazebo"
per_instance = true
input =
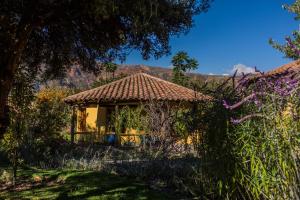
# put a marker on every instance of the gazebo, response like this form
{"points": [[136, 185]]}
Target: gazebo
{"points": [[92, 109]]}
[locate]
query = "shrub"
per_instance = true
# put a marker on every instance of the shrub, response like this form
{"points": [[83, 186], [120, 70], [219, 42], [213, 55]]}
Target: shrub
{"points": [[266, 138], [50, 114], [6, 177]]}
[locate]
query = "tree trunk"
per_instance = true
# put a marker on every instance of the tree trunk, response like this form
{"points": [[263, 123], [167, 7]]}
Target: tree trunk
{"points": [[8, 69], [6, 82], [5, 86], [14, 179], [15, 167]]}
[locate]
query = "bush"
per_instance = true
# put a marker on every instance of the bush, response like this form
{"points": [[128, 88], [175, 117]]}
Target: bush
{"points": [[50, 114], [265, 139]]}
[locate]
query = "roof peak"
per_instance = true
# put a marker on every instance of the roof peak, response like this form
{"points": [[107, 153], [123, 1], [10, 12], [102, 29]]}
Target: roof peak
{"points": [[132, 75], [137, 87]]}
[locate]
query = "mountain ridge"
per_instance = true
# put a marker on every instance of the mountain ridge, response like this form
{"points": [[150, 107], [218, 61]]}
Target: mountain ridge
{"points": [[80, 79]]}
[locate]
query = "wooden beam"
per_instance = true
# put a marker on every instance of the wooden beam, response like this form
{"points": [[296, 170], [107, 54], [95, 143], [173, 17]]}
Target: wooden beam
{"points": [[116, 116], [73, 124], [98, 122]]}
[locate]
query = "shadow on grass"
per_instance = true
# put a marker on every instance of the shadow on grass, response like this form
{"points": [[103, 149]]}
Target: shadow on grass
{"points": [[84, 185]]}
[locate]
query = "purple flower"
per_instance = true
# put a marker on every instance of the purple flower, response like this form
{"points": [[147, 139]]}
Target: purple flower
{"points": [[293, 46], [249, 98], [235, 121], [257, 102], [277, 88], [225, 104], [245, 118]]}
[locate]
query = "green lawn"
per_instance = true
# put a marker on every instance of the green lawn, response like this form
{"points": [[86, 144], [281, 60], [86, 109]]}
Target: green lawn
{"points": [[74, 184]]}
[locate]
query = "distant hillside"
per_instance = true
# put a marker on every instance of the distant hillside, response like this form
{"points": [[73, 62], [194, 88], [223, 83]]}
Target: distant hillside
{"points": [[76, 78], [160, 72], [164, 73]]}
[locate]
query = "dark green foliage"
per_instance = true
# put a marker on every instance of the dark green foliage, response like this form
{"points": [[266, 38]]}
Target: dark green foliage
{"points": [[48, 125], [130, 118], [216, 149], [259, 158], [64, 30], [21, 98], [38, 120], [291, 49], [110, 68], [267, 146], [294, 8], [182, 63], [52, 35]]}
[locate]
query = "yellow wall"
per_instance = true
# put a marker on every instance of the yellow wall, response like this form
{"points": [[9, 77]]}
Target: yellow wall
{"points": [[95, 121], [91, 119], [90, 115]]}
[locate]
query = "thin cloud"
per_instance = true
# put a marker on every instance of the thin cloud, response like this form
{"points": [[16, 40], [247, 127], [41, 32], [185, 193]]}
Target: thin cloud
{"points": [[242, 69]]}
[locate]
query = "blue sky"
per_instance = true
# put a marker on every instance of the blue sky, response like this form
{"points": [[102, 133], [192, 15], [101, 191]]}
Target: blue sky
{"points": [[233, 32]]}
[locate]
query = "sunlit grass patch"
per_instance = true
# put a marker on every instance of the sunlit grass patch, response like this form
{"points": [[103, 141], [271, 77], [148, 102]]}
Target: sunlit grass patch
{"points": [[74, 184]]}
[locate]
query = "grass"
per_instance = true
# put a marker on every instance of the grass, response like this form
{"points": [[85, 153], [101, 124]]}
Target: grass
{"points": [[75, 184]]}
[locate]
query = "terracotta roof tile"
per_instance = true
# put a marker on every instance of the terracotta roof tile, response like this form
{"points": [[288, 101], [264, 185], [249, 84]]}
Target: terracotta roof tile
{"points": [[295, 66], [138, 87]]}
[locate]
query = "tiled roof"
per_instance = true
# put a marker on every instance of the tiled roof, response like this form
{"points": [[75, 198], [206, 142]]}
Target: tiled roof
{"points": [[137, 87], [294, 66]]}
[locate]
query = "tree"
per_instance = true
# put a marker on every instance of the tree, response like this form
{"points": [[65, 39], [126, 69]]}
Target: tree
{"points": [[55, 33], [110, 68], [291, 48], [21, 97], [182, 63]]}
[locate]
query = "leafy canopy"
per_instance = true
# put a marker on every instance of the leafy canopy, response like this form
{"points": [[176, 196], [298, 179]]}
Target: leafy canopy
{"points": [[110, 67], [291, 48], [48, 36], [182, 63], [67, 30]]}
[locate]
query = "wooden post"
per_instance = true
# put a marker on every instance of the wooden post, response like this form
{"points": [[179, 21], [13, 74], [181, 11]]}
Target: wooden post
{"points": [[117, 117], [98, 135], [163, 125], [73, 124]]}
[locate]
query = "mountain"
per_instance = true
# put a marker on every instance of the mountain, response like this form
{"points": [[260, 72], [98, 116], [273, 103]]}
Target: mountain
{"points": [[79, 79]]}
